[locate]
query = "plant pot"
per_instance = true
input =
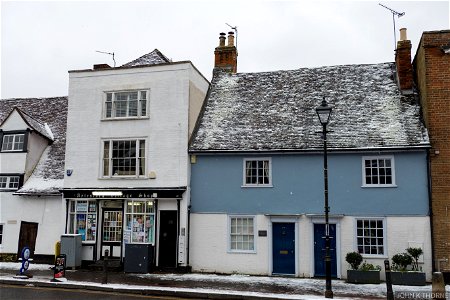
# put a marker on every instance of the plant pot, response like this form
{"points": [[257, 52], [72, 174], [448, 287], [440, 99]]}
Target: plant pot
{"points": [[408, 278], [355, 276]]}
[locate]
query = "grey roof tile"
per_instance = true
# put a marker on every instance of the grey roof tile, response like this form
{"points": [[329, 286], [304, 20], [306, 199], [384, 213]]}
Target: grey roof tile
{"points": [[276, 110], [153, 58]]}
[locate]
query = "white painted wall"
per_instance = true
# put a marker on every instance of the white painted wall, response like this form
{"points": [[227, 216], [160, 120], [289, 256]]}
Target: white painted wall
{"points": [[14, 122], [36, 146], [209, 248], [48, 212]]}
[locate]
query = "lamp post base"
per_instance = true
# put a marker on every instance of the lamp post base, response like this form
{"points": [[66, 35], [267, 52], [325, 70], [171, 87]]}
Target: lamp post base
{"points": [[328, 294]]}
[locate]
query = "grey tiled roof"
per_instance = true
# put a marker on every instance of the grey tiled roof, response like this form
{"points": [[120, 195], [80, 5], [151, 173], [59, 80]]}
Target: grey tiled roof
{"points": [[35, 125], [276, 110], [49, 172], [153, 58]]}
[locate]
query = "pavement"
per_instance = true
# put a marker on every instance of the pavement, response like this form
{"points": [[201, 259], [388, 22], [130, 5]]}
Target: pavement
{"points": [[201, 286]]}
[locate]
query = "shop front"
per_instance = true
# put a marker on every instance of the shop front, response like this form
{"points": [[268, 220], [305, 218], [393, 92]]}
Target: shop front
{"points": [[110, 221]]}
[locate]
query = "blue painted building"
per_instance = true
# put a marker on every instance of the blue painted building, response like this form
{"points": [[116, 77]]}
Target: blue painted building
{"points": [[257, 196]]}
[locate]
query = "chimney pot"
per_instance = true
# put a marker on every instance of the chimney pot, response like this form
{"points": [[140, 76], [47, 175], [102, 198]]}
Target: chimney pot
{"points": [[222, 39], [230, 39], [403, 34]]}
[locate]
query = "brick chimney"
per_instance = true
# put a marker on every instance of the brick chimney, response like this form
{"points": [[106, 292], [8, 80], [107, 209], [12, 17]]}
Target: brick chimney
{"points": [[225, 57], [403, 62]]}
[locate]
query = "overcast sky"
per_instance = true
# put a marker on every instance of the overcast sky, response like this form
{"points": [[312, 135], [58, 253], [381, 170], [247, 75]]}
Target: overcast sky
{"points": [[42, 40]]}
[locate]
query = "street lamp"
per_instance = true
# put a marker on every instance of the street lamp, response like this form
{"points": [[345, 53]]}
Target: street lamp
{"points": [[324, 113]]}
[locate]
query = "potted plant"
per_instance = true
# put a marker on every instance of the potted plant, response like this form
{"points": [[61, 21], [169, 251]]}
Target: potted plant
{"points": [[367, 273], [401, 274]]}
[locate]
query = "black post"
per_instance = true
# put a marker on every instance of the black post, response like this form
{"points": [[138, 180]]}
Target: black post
{"points": [[387, 269], [328, 291], [105, 267]]}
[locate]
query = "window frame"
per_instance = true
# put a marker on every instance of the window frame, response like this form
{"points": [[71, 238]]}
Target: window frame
{"points": [[137, 158], [139, 106], [385, 249], [76, 212], [129, 232], [244, 172], [14, 133], [8, 177], [250, 251], [2, 232], [378, 157]]}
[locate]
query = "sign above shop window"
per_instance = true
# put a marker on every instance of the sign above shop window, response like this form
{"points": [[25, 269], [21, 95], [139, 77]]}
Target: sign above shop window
{"points": [[176, 193]]}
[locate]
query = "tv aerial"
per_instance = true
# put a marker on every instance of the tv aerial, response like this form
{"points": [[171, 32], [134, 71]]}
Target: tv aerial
{"points": [[235, 31], [394, 13], [109, 53]]}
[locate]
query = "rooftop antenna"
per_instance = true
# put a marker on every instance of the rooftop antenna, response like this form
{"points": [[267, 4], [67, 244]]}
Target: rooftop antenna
{"points": [[235, 31], [394, 13], [109, 54]]}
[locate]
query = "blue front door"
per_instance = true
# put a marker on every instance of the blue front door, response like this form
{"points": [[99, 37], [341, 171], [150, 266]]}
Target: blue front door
{"points": [[283, 248], [319, 250]]}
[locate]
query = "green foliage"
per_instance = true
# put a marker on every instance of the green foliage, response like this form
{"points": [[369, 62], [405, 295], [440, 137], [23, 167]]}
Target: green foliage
{"points": [[369, 267], [354, 259], [8, 257], [401, 261], [415, 253]]}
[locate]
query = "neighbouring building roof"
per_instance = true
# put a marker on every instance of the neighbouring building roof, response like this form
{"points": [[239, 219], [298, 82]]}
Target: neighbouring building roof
{"points": [[276, 110], [153, 58], [48, 176]]}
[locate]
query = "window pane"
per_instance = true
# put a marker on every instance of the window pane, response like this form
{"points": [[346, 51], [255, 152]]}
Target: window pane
{"points": [[3, 181]]}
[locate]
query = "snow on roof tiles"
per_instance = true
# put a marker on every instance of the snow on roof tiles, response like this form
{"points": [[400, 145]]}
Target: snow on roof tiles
{"points": [[153, 58], [276, 110], [48, 175]]}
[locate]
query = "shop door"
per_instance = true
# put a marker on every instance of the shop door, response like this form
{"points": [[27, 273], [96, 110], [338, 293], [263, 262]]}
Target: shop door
{"points": [[167, 239], [112, 232], [319, 250], [27, 237], [283, 248]]}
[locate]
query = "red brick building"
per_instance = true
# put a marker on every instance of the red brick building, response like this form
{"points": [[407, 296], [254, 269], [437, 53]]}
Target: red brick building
{"points": [[432, 77]]}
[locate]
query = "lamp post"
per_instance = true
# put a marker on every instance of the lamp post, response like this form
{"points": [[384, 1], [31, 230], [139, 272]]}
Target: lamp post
{"points": [[324, 113]]}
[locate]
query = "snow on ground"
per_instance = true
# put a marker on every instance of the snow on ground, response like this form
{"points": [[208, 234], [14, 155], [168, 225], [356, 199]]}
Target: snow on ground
{"points": [[339, 286]]}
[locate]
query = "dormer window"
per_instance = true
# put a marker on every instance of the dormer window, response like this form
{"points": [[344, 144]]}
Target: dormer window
{"points": [[13, 142], [126, 104], [10, 182]]}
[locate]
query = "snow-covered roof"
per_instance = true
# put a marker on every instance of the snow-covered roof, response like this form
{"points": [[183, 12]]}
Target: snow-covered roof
{"points": [[35, 125], [153, 58], [48, 175], [271, 111]]}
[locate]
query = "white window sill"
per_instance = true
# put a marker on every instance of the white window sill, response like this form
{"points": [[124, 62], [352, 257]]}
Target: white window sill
{"points": [[123, 178], [379, 186], [124, 119], [257, 186], [375, 256], [241, 251]]}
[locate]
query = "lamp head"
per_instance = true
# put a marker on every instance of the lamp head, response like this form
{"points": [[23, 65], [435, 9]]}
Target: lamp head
{"points": [[324, 112]]}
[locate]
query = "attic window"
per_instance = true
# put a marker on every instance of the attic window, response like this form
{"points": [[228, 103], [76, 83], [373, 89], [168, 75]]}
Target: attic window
{"points": [[126, 104], [13, 142]]}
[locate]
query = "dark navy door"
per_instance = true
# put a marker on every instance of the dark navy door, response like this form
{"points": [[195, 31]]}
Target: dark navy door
{"points": [[319, 250], [283, 248]]}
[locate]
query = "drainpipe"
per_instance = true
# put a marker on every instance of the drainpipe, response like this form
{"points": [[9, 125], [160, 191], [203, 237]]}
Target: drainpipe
{"points": [[430, 204], [188, 234]]}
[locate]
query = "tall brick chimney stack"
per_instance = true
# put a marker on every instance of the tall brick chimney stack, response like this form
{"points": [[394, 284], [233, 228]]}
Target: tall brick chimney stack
{"points": [[403, 62], [225, 57]]}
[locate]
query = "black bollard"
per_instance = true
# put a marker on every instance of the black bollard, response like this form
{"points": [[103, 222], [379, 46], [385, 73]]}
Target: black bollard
{"points": [[105, 267], [387, 269]]}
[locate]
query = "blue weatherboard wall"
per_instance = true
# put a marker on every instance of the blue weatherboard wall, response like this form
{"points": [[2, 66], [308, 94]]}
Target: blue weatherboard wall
{"points": [[216, 186]]}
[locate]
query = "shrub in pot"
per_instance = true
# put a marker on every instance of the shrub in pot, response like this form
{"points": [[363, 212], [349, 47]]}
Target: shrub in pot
{"points": [[367, 273], [401, 275]]}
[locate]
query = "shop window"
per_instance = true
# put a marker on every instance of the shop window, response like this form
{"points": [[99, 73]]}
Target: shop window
{"points": [[140, 222], [83, 219]]}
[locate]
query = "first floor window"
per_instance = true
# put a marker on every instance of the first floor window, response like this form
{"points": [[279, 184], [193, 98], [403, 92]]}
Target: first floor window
{"points": [[124, 158], [1, 233], [9, 182], [370, 236], [139, 222], [83, 219], [127, 104], [242, 234], [13, 142], [257, 172], [378, 171]]}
